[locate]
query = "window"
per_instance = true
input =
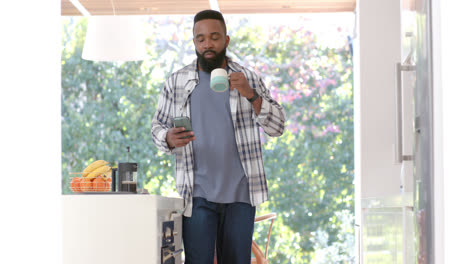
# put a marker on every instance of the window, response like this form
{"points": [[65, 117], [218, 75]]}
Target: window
{"points": [[305, 60]]}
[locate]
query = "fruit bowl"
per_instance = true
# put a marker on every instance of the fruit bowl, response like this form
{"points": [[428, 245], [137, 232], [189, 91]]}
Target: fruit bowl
{"points": [[78, 184]]}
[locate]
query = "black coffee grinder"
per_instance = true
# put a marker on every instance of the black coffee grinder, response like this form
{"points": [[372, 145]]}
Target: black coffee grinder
{"points": [[127, 176]]}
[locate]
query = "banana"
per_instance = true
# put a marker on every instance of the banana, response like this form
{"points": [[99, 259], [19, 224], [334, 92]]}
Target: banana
{"points": [[108, 174], [99, 171], [91, 167]]}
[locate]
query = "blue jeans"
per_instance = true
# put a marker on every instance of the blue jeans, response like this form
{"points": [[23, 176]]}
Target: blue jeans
{"points": [[228, 226]]}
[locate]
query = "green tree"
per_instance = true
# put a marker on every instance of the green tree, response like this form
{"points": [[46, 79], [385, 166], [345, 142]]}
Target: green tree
{"points": [[108, 106]]}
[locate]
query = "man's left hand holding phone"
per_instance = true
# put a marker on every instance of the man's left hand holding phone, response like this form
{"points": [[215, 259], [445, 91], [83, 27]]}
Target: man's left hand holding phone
{"points": [[181, 134]]}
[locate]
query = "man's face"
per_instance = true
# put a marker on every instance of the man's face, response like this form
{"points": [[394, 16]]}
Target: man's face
{"points": [[210, 44]]}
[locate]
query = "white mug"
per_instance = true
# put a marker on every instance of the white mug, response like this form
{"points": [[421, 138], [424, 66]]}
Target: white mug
{"points": [[219, 81]]}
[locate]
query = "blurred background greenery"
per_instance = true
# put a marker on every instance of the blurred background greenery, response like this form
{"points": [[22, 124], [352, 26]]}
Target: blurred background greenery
{"points": [[310, 169]]}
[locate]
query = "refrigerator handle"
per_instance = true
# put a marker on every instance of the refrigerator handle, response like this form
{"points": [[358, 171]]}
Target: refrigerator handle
{"points": [[399, 157]]}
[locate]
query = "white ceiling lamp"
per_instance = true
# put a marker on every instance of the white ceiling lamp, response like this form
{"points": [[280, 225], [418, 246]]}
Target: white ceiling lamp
{"points": [[114, 38]]}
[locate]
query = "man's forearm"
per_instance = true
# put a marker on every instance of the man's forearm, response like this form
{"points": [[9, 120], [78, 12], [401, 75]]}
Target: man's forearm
{"points": [[257, 105]]}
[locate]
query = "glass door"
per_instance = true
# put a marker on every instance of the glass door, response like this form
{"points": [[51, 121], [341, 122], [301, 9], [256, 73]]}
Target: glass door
{"points": [[423, 136]]}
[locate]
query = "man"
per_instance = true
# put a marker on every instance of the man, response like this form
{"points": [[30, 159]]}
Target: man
{"points": [[219, 165]]}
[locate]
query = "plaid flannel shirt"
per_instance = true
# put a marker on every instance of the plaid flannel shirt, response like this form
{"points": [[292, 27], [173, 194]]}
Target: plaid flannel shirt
{"points": [[174, 101]]}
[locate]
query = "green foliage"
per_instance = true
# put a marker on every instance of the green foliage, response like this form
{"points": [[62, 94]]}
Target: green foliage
{"points": [[310, 169]]}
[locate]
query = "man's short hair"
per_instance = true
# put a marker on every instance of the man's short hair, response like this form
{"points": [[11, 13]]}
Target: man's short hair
{"points": [[210, 14]]}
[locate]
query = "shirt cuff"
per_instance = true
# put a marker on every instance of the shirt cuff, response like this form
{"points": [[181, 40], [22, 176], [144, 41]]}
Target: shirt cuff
{"points": [[162, 138], [265, 110]]}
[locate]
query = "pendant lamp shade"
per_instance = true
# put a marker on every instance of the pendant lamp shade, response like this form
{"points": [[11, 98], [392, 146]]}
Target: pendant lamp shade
{"points": [[114, 38]]}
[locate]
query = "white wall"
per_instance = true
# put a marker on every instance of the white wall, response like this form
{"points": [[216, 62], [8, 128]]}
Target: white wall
{"points": [[439, 211], [451, 141], [30, 142]]}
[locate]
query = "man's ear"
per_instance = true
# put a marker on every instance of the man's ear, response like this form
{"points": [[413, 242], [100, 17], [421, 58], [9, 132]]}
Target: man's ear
{"points": [[227, 41], [194, 44]]}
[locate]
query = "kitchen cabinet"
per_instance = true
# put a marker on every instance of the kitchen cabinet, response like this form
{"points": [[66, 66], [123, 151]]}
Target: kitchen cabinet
{"points": [[121, 228]]}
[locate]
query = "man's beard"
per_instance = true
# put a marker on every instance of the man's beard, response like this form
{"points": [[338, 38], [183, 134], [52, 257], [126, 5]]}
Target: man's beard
{"points": [[210, 64]]}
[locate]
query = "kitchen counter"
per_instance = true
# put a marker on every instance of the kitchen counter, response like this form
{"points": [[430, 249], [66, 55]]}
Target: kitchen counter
{"points": [[116, 229]]}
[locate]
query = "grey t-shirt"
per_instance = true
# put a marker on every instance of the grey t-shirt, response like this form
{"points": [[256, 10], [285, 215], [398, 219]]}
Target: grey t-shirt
{"points": [[218, 173]]}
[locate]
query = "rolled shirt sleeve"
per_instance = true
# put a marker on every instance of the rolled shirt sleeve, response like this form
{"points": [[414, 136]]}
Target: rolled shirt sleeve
{"points": [[272, 116], [162, 119]]}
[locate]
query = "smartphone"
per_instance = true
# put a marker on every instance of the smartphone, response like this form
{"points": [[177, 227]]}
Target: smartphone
{"points": [[183, 121]]}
